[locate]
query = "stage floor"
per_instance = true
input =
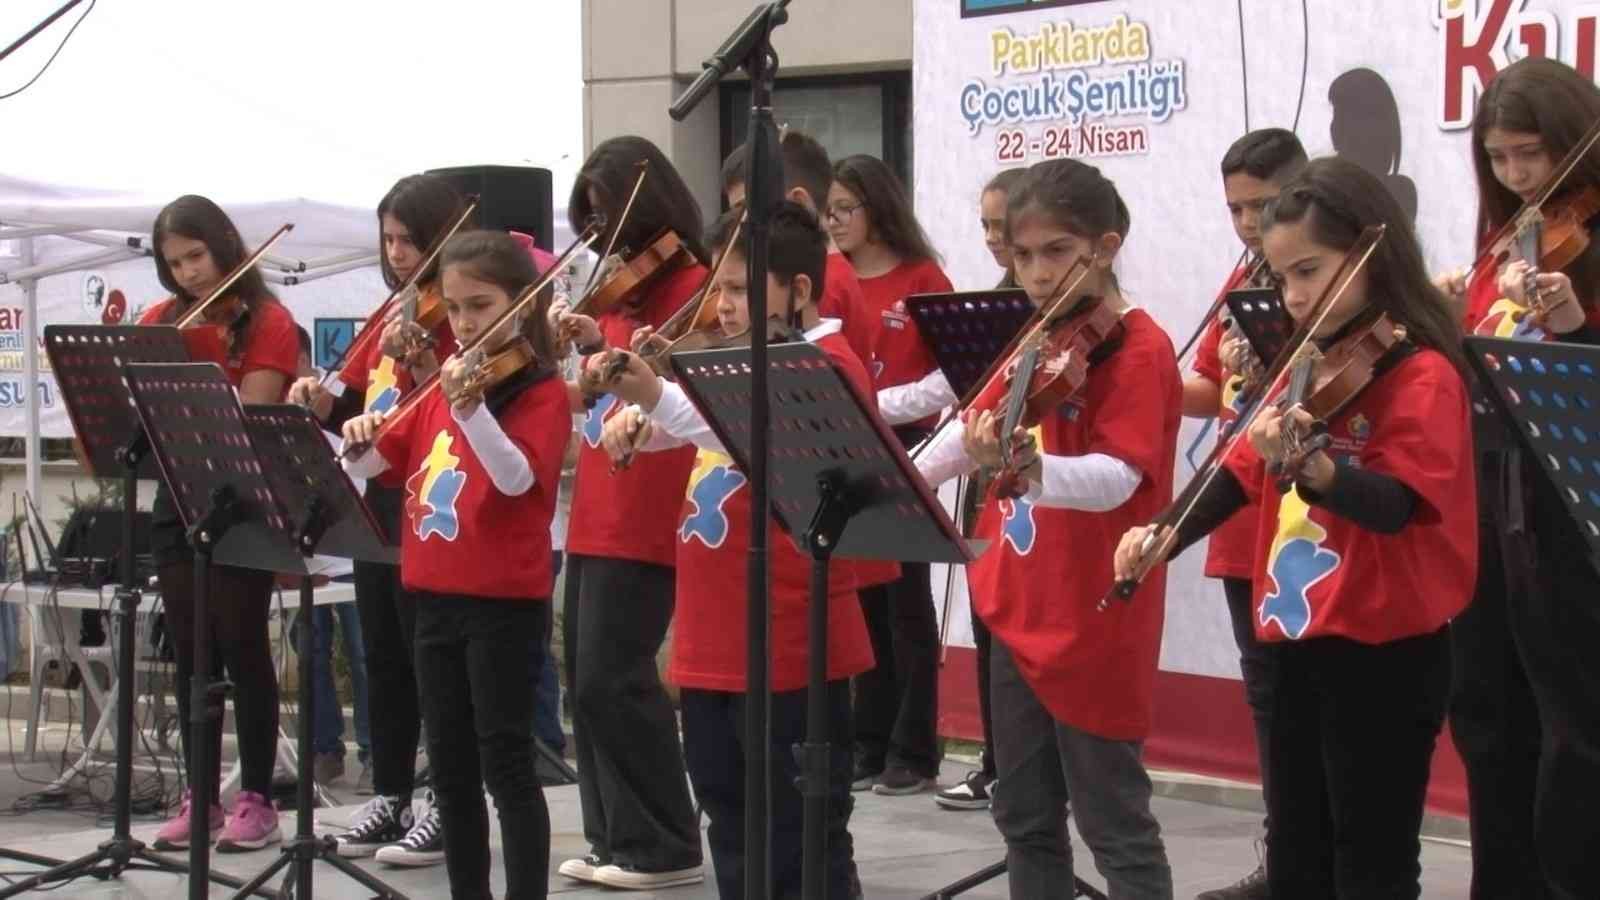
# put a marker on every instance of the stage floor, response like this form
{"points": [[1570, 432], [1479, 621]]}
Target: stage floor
{"points": [[906, 847]]}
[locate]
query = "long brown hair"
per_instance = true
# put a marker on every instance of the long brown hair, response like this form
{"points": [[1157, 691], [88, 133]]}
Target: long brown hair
{"points": [[497, 258], [425, 205], [887, 205], [664, 200], [1544, 97], [198, 219], [1337, 200]]}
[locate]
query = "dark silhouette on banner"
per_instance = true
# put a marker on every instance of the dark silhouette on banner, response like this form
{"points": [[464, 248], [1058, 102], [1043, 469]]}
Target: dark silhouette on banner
{"points": [[1366, 131]]}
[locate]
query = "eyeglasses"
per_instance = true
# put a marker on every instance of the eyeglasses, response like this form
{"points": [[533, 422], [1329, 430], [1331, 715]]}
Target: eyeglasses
{"points": [[842, 214]]}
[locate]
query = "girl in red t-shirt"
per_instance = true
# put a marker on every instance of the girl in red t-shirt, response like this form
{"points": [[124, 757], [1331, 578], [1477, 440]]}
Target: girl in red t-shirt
{"points": [[481, 473], [1070, 688], [621, 547], [896, 704], [1526, 711], [196, 246], [411, 216], [1363, 559]]}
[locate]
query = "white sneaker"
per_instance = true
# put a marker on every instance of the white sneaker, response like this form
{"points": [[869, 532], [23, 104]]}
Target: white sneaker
{"points": [[423, 845], [581, 869], [632, 879]]}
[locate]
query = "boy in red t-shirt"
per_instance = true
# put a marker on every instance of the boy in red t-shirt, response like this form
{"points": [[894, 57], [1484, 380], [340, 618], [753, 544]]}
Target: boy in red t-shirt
{"points": [[1253, 169], [708, 658]]}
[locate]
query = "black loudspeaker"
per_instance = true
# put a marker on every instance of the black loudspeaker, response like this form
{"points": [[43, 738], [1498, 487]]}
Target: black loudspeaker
{"points": [[510, 198]]}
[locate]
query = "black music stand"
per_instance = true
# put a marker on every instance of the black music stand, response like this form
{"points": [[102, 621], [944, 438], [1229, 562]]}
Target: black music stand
{"points": [[258, 489], [1263, 319], [836, 463], [1549, 394], [966, 330], [87, 361]]}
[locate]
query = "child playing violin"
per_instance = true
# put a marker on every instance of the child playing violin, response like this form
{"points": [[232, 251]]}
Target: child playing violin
{"points": [[1253, 170], [1070, 688], [708, 667], [621, 549], [482, 467], [1360, 557], [1525, 712], [416, 212], [254, 340]]}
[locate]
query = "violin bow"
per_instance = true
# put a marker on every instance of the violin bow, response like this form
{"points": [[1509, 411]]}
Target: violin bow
{"points": [[611, 242], [412, 400], [194, 313], [1040, 319], [1354, 260], [1529, 214], [1216, 307], [694, 307], [408, 289]]}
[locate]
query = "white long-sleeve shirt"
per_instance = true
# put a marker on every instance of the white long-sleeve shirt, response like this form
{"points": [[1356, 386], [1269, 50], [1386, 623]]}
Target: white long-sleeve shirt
{"points": [[1094, 482], [505, 462]]}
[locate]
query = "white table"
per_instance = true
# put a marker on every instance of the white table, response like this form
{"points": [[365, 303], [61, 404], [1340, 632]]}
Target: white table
{"points": [[55, 633]]}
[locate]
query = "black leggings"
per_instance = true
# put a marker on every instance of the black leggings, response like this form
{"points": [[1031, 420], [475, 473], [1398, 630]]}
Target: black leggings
{"points": [[388, 622], [237, 601]]}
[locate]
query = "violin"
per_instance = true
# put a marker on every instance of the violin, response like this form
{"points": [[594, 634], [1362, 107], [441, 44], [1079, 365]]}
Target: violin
{"points": [[1049, 369], [1325, 395], [207, 324], [628, 279], [488, 370]]}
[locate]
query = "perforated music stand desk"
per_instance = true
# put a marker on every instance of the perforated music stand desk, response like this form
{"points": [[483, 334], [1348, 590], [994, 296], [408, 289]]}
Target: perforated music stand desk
{"points": [[967, 330], [1549, 395], [87, 361], [834, 464], [1263, 319], [257, 488]]}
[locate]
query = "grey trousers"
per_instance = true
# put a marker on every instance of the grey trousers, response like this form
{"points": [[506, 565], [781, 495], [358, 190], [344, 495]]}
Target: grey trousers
{"points": [[1042, 764]]}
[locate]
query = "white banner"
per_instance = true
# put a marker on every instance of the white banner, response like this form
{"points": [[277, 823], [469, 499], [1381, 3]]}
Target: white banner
{"points": [[1154, 93]]}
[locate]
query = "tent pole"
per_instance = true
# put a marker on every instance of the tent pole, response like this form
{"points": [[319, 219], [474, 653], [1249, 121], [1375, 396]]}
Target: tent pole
{"points": [[30, 370]]}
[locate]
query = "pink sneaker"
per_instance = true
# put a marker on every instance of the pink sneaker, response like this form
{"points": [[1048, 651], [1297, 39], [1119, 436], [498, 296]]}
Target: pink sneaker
{"points": [[174, 835], [253, 825]]}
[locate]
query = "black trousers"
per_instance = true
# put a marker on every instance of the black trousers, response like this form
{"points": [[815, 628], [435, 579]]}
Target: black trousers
{"points": [[1494, 722], [984, 642], [631, 784], [897, 702], [237, 601], [388, 622], [472, 653], [713, 733], [1257, 665], [1352, 738]]}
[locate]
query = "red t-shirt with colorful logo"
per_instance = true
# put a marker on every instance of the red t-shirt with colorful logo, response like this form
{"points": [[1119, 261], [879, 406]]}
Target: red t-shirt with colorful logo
{"points": [[382, 381], [459, 534], [1229, 549], [843, 299], [271, 341], [899, 354], [1321, 575], [1038, 583], [631, 513], [708, 646]]}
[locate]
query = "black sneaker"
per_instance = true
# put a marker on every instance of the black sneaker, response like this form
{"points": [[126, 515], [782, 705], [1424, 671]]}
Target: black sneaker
{"points": [[971, 792], [864, 776], [1250, 887], [899, 781], [384, 820], [423, 845], [632, 878]]}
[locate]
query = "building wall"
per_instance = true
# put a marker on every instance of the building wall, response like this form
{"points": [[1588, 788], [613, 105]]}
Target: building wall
{"points": [[639, 54]]}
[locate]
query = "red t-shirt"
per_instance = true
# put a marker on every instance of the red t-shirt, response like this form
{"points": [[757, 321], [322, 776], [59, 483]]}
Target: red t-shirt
{"points": [[899, 355], [460, 535], [1318, 574], [271, 341], [843, 299], [631, 513], [708, 647], [1491, 315], [1230, 549], [1039, 582]]}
